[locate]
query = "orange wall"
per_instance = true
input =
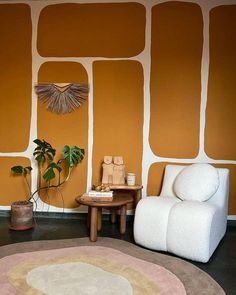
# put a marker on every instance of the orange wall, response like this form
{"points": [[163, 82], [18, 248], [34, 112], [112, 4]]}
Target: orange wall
{"points": [[92, 29], [16, 78], [13, 188], [221, 107], [118, 121], [106, 46], [69, 129], [175, 79]]}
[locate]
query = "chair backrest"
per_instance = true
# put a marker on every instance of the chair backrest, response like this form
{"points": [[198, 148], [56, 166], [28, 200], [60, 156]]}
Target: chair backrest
{"points": [[220, 198], [171, 171]]}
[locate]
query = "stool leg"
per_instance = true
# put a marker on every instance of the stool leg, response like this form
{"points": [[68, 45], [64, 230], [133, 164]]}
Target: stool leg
{"points": [[89, 217], [122, 219], [99, 219], [137, 196], [94, 224], [113, 215]]}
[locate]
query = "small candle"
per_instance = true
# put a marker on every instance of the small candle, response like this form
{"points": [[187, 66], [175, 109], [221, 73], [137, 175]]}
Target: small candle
{"points": [[131, 178]]}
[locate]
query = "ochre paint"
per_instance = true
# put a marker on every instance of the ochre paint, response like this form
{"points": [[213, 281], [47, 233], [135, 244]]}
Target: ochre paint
{"points": [[176, 52], [16, 78], [220, 128], [68, 129], [95, 29], [118, 114], [118, 87], [13, 187]]}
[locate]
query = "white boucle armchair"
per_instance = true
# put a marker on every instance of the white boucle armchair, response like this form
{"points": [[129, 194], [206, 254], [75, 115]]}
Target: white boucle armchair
{"points": [[188, 228]]}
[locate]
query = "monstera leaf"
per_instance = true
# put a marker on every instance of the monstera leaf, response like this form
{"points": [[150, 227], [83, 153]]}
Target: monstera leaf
{"points": [[49, 173], [44, 151], [21, 170], [73, 155]]}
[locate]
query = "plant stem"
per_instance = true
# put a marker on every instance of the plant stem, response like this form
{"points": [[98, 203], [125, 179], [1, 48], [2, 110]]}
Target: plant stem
{"points": [[68, 175], [39, 174], [28, 186], [63, 202], [53, 186]]}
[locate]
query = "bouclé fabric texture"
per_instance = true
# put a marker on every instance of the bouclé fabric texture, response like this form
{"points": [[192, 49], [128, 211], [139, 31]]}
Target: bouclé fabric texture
{"points": [[197, 182]]}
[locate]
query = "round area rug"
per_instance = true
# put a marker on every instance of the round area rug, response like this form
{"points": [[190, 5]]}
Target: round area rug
{"points": [[109, 266]]}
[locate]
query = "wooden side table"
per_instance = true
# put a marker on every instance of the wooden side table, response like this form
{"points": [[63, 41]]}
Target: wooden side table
{"points": [[136, 189], [136, 192], [95, 213]]}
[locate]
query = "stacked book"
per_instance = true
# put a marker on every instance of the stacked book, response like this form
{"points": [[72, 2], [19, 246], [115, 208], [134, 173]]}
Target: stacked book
{"points": [[97, 196]]}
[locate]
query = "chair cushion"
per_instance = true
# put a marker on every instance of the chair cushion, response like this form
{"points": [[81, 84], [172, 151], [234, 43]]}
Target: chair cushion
{"points": [[197, 182]]}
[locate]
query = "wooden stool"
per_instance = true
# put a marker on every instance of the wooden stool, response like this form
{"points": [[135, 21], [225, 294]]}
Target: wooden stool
{"points": [[95, 213]]}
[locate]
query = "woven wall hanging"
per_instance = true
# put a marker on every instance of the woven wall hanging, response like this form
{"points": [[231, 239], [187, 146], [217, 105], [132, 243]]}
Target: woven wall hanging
{"points": [[62, 98]]}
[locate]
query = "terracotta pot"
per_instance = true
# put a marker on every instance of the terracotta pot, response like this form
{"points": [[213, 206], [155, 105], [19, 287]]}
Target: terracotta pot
{"points": [[21, 215]]}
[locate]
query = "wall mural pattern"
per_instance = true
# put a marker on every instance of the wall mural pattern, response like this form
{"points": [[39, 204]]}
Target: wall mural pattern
{"points": [[162, 88], [70, 129], [16, 76], [104, 29], [221, 111], [175, 79]]}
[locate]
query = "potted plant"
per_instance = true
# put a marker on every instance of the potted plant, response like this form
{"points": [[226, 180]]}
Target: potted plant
{"points": [[48, 170]]}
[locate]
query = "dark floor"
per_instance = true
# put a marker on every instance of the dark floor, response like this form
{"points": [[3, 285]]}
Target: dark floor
{"points": [[222, 265]]}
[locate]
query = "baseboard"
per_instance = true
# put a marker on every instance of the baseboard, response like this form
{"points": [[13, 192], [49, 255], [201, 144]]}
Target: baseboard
{"points": [[4, 213], [61, 215], [231, 217], [82, 216]]}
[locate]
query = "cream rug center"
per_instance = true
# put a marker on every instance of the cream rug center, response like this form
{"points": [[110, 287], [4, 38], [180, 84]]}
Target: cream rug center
{"points": [[77, 278]]}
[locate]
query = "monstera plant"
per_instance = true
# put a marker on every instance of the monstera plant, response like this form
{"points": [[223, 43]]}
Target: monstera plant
{"points": [[49, 177]]}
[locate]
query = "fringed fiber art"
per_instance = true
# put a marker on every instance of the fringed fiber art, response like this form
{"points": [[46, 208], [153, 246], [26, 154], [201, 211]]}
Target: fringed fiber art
{"points": [[62, 98]]}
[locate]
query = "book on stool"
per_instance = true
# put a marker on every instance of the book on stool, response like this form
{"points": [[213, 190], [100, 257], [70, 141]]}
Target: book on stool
{"points": [[97, 196]]}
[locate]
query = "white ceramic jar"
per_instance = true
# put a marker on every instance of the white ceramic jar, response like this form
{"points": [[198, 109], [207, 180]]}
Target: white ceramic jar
{"points": [[131, 178]]}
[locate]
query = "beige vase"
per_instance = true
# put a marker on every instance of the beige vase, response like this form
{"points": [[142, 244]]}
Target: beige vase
{"points": [[21, 215]]}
